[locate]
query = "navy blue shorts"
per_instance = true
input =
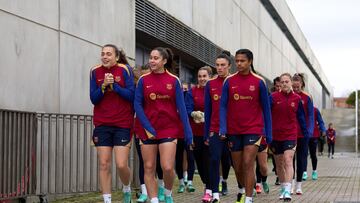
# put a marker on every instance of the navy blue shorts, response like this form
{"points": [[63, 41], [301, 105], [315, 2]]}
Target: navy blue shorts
{"points": [[263, 148], [111, 136], [279, 147], [237, 142], [158, 141]]}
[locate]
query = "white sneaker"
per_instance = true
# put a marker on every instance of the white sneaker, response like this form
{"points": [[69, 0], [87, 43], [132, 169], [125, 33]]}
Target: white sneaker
{"points": [[298, 188], [292, 187]]}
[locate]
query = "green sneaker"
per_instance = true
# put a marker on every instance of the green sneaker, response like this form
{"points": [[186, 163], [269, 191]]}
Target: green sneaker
{"points": [[266, 187], [314, 175], [282, 191], [304, 176], [127, 197], [181, 188], [161, 195], [142, 198], [220, 187], [169, 199], [190, 188]]}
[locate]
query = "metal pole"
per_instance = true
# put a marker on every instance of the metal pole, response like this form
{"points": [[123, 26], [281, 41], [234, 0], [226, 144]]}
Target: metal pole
{"points": [[356, 121]]}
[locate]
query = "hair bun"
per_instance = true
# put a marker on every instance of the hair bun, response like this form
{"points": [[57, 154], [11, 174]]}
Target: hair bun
{"points": [[226, 52]]}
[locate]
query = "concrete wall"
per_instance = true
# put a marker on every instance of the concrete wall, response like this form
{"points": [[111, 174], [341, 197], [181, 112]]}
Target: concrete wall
{"points": [[234, 24], [49, 46]]}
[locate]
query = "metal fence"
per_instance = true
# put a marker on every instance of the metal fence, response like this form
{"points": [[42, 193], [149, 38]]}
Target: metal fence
{"points": [[17, 153], [53, 153]]}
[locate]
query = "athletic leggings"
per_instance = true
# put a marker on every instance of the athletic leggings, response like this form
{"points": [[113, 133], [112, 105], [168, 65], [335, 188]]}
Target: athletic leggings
{"points": [[301, 156], [321, 145], [313, 142], [141, 163], [180, 147], [201, 155], [259, 177], [331, 147], [216, 148]]}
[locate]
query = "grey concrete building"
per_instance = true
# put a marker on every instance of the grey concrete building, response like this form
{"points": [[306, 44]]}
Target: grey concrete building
{"points": [[49, 46]]}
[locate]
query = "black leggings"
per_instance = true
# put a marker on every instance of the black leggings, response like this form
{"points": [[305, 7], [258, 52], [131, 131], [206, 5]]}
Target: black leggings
{"points": [[331, 146], [321, 145], [225, 162], [259, 177], [141, 164], [180, 147], [312, 148], [201, 155], [301, 152]]}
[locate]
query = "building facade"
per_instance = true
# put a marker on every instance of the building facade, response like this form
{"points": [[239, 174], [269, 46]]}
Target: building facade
{"points": [[49, 46]]}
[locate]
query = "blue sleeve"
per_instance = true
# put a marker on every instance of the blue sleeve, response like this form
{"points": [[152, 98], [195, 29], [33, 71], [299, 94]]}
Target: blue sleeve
{"points": [[96, 93], [270, 101], [180, 104], [128, 91], [310, 108], [207, 111], [335, 133], [264, 98], [300, 113], [320, 121], [140, 114], [189, 102], [223, 108]]}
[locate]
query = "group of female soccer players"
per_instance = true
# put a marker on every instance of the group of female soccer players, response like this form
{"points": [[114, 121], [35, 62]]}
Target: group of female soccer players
{"points": [[225, 120]]}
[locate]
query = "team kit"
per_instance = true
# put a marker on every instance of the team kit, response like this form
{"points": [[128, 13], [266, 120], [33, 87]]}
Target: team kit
{"points": [[224, 120]]}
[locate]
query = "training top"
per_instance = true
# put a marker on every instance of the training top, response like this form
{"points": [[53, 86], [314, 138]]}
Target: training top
{"points": [[244, 107], [159, 105], [287, 113], [195, 101], [213, 90], [309, 113], [112, 104], [319, 126]]}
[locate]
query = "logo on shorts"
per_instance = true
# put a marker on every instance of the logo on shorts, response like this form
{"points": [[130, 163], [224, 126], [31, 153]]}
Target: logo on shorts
{"points": [[292, 104], [169, 86], [230, 144], [236, 96], [122, 140], [216, 97], [152, 96], [95, 139], [252, 88], [251, 140], [117, 79]]}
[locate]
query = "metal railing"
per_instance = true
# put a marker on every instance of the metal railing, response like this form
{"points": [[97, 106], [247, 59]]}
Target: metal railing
{"points": [[17, 153], [52, 153]]}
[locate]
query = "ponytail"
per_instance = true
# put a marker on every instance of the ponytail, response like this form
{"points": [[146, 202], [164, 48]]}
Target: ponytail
{"points": [[248, 55], [119, 53], [167, 54]]}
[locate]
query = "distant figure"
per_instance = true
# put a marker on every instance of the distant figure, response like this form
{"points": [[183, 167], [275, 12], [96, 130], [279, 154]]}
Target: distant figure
{"points": [[331, 137]]}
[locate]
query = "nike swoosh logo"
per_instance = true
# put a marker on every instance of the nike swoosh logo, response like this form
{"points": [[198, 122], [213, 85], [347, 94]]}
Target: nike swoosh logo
{"points": [[213, 89], [251, 140], [234, 87], [124, 140], [148, 86]]}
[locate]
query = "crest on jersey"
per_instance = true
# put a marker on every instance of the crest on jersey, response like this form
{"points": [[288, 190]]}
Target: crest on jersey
{"points": [[117, 79], [152, 96], [169, 86], [292, 104], [216, 97], [252, 88], [236, 96]]}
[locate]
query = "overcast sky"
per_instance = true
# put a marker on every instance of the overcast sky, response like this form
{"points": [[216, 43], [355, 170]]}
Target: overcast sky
{"points": [[332, 28]]}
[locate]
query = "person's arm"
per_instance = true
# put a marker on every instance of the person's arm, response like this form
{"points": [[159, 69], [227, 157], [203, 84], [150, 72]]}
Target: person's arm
{"points": [[300, 114], [320, 121], [180, 104], [189, 102], [207, 112], [128, 91], [223, 108], [310, 109], [140, 114], [96, 93], [264, 99]]}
